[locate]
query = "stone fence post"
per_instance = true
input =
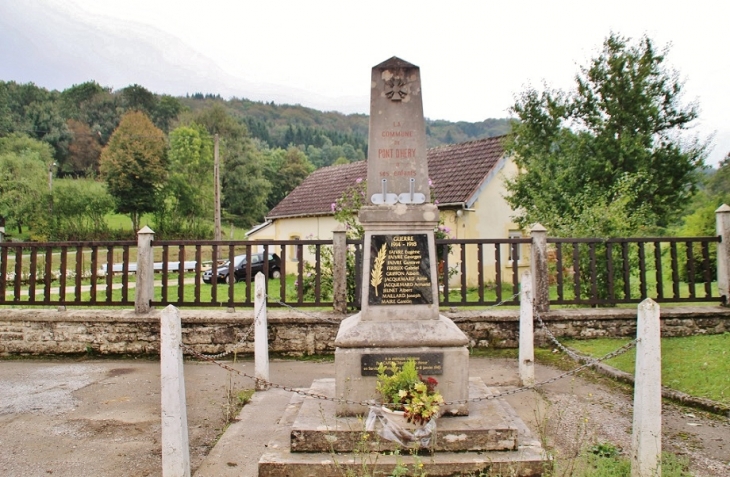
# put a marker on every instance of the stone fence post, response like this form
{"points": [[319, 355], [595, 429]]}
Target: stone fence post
{"points": [[539, 268], [175, 443], [646, 435], [144, 290], [722, 224], [527, 332], [339, 272]]}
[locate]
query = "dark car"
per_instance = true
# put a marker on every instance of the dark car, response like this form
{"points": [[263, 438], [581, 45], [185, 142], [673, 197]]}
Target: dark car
{"points": [[240, 267]]}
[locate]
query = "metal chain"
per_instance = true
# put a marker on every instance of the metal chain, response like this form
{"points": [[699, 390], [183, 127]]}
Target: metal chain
{"points": [[297, 310], [613, 354], [268, 384], [557, 343]]}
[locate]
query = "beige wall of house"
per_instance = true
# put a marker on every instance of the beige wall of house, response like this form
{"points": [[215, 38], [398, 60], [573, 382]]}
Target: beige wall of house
{"points": [[302, 228], [489, 217]]}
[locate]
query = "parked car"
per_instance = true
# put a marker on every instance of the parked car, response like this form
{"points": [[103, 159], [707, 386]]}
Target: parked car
{"points": [[240, 267]]}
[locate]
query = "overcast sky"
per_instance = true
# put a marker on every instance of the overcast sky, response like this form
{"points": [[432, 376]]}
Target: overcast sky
{"points": [[475, 56]]}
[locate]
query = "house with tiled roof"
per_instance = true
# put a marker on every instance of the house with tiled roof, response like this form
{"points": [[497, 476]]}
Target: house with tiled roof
{"points": [[468, 181]]}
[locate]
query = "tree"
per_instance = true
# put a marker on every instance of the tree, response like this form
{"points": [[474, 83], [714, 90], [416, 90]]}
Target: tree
{"points": [[133, 165], [79, 210], [189, 189], [285, 170], [616, 138], [138, 98], [84, 149], [166, 110], [75, 97], [244, 187], [24, 194]]}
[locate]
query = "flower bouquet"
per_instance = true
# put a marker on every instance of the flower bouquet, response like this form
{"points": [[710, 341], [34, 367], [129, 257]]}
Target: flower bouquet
{"points": [[403, 390]]}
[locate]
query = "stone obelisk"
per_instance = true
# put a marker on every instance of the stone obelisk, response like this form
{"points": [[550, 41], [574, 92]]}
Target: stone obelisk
{"points": [[400, 316]]}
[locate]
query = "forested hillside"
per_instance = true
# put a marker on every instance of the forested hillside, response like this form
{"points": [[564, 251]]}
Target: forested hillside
{"points": [[145, 163]]}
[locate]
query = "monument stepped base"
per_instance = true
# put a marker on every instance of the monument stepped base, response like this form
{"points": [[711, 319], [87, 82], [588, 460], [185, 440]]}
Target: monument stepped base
{"points": [[311, 441]]}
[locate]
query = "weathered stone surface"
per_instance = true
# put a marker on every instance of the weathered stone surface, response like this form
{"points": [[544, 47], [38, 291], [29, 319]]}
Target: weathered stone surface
{"points": [[316, 429], [353, 386], [37, 331]]}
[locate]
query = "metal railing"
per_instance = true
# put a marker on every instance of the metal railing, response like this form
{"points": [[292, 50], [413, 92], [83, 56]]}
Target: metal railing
{"points": [[475, 272], [629, 270]]}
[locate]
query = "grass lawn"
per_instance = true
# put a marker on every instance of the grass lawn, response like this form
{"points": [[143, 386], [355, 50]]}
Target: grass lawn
{"points": [[697, 365]]}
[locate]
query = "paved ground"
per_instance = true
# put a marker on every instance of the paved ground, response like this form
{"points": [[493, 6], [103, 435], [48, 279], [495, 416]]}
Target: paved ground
{"points": [[102, 417]]}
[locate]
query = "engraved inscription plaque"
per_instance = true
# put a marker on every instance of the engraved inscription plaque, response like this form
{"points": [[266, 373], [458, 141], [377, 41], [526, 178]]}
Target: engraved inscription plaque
{"points": [[400, 270], [426, 363]]}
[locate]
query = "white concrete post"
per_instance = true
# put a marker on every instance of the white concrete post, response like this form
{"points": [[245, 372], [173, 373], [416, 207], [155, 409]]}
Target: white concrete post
{"points": [[144, 289], [175, 449], [261, 333], [722, 221], [646, 438], [339, 271], [539, 268], [527, 338]]}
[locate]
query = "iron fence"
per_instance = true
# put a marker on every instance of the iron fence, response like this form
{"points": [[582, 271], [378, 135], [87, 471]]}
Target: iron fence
{"points": [[629, 270], [475, 272]]}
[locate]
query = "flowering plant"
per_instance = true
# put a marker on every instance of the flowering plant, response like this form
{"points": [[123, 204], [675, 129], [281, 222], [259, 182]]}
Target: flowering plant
{"points": [[403, 389]]}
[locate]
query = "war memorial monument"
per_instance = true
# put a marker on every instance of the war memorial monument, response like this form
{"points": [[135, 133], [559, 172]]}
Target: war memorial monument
{"points": [[399, 320]]}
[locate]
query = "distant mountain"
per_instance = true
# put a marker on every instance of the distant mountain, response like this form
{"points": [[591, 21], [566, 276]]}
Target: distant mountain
{"points": [[271, 122]]}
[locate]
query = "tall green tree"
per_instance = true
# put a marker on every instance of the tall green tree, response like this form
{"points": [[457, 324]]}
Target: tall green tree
{"points": [[134, 166], [245, 189], [24, 191], [618, 137], [285, 170], [138, 98], [243, 185], [189, 189]]}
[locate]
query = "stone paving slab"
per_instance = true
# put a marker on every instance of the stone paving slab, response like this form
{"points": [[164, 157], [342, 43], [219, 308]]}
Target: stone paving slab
{"points": [[487, 427]]}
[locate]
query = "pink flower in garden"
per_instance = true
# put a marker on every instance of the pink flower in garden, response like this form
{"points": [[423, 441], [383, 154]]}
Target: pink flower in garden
{"points": [[430, 182], [358, 180], [333, 206], [436, 202]]}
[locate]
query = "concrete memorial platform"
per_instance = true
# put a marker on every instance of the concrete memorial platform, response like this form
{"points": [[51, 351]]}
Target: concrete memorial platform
{"points": [[302, 426]]}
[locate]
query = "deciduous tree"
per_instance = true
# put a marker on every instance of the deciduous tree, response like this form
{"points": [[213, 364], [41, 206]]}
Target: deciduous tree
{"points": [[616, 138], [189, 189], [285, 170], [24, 193], [134, 165], [84, 149]]}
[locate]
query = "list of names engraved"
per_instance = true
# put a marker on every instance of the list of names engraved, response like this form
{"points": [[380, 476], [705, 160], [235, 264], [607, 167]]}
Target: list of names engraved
{"points": [[400, 270]]}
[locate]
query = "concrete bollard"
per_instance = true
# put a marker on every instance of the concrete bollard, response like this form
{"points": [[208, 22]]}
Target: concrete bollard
{"points": [[175, 448], [339, 272], [539, 268], [646, 437], [527, 338], [722, 225], [261, 333], [144, 290]]}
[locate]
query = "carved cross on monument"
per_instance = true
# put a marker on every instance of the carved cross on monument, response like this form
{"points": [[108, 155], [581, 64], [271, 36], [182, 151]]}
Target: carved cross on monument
{"points": [[400, 306]]}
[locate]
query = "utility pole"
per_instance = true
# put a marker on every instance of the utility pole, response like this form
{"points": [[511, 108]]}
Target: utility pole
{"points": [[217, 187], [50, 188]]}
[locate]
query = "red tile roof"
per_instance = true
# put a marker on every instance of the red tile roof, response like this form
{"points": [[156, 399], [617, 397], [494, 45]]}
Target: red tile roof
{"points": [[457, 172]]}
